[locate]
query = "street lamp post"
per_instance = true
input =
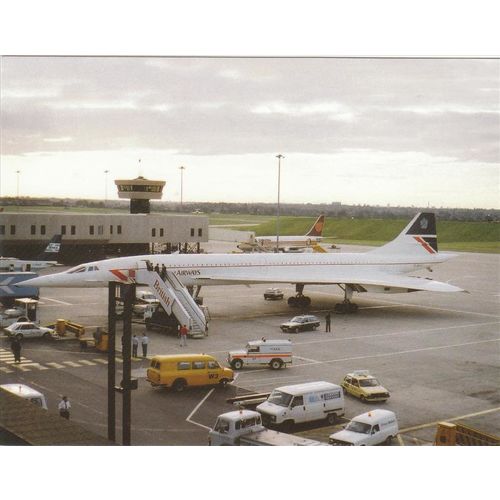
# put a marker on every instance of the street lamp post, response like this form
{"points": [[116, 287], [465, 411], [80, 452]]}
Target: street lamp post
{"points": [[17, 192], [280, 156], [182, 172], [106, 185]]}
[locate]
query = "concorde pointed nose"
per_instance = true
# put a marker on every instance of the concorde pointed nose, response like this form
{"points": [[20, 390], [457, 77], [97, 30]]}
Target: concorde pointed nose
{"points": [[41, 281]]}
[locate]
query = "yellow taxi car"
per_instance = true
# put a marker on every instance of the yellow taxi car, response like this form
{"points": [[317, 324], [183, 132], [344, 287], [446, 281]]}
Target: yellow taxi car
{"points": [[364, 386], [179, 371]]}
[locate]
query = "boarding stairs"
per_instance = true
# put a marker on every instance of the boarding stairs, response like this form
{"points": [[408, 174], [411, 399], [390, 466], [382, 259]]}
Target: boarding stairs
{"points": [[175, 299]]}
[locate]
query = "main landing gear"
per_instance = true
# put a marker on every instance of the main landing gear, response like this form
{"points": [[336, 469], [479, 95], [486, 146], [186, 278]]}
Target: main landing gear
{"points": [[299, 300], [346, 307]]}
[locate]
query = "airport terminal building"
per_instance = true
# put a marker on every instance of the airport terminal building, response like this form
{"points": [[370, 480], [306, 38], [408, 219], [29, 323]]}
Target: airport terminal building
{"points": [[87, 237]]}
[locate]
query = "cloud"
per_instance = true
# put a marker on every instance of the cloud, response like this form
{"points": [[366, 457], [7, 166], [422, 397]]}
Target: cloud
{"points": [[210, 106]]}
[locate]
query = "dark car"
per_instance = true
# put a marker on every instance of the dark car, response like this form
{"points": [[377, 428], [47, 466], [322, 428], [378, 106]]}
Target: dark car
{"points": [[273, 294], [300, 324]]}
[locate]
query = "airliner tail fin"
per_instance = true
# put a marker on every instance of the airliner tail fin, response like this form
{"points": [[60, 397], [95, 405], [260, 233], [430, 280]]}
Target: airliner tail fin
{"points": [[317, 227], [52, 249], [417, 238]]}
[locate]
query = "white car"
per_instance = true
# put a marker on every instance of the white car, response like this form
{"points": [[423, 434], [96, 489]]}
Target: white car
{"points": [[144, 298], [273, 294], [27, 329]]}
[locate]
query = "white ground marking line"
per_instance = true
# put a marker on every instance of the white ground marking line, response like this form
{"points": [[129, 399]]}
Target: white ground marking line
{"points": [[188, 419], [396, 353], [331, 337], [55, 365], [38, 366], [58, 301], [268, 381], [5, 369], [86, 362], [401, 332], [21, 367], [431, 424], [23, 361], [72, 364], [400, 440], [419, 306], [295, 367], [99, 360], [306, 359]]}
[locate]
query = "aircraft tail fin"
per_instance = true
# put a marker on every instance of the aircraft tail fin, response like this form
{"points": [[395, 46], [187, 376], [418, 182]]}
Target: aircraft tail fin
{"points": [[417, 238], [52, 249], [317, 227]]}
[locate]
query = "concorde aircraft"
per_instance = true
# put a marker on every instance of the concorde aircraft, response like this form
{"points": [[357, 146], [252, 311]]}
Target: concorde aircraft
{"points": [[40, 262], [381, 270], [285, 243]]}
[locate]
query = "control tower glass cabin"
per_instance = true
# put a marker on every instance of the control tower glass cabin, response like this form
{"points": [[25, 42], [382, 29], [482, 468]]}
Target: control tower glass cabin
{"points": [[139, 191]]}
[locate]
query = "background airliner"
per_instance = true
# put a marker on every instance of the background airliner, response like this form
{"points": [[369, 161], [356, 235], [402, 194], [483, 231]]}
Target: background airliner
{"points": [[382, 270], [51, 252], [286, 243]]}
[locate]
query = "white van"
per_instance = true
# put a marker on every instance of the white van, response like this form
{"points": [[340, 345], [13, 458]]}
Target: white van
{"points": [[303, 403], [274, 353], [368, 429], [25, 392]]}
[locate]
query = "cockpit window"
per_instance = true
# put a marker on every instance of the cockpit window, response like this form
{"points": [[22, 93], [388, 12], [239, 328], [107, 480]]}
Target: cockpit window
{"points": [[79, 269]]}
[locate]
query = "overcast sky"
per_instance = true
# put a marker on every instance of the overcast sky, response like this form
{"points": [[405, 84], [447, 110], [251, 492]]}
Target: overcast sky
{"points": [[376, 131]]}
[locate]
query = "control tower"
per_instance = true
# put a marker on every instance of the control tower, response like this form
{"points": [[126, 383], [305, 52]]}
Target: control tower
{"points": [[139, 191]]}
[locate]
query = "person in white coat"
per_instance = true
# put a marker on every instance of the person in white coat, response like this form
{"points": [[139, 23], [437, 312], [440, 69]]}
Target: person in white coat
{"points": [[64, 407]]}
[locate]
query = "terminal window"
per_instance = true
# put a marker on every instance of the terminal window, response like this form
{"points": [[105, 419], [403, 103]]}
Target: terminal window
{"points": [[153, 232], [100, 230], [33, 229], [91, 229], [110, 229], [161, 231], [119, 229], [73, 230], [2, 229], [63, 230], [200, 230], [42, 229], [13, 229], [192, 231]]}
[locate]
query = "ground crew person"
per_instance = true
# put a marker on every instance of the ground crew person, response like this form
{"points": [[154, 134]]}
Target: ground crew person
{"points": [[328, 319], [16, 349], [144, 343], [157, 268], [183, 331], [135, 345], [64, 407], [163, 272]]}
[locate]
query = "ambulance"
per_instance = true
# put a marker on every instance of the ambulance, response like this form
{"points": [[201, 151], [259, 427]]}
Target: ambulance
{"points": [[272, 353]]}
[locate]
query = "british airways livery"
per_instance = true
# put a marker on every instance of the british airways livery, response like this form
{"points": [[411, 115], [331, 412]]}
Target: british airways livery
{"points": [[381, 270]]}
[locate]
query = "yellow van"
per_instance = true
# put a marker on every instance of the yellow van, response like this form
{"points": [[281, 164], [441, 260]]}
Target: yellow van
{"points": [[180, 370]]}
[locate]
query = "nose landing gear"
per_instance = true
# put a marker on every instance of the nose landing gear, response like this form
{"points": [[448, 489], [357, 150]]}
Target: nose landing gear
{"points": [[299, 300], [346, 307]]}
